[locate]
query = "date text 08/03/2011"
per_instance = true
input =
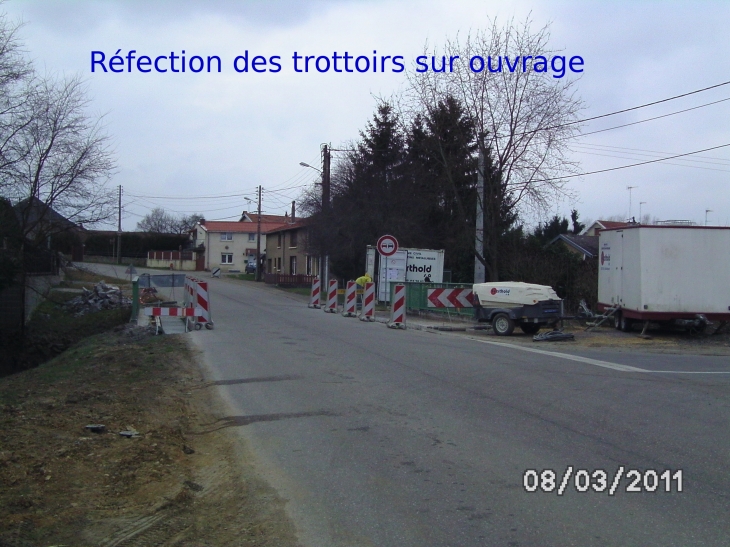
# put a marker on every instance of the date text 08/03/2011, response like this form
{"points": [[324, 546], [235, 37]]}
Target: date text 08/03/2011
{"points": [[599, 480]]}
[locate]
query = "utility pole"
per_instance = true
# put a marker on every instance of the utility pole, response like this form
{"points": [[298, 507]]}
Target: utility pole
{"points": [[325, 177], [479, 271], [258, 240], [119, 228], [325, 211]]}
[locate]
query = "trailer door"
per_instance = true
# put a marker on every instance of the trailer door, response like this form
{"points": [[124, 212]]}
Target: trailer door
{"points": [[618, 264]]}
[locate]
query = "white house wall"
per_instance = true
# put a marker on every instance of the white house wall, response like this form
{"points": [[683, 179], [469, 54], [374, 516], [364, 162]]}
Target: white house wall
{"points": [[214, 247]]}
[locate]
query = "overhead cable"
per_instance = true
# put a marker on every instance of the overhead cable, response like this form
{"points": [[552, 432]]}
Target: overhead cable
{"points": [[654, 118], [631, 165], [558, 126]]}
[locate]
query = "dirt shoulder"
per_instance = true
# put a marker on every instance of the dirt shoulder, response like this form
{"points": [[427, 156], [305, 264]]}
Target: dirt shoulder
{"points": [[182, 481], [657, 341]]}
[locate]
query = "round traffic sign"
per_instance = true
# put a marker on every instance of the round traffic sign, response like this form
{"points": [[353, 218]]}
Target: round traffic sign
{"points": [[387, 245]]}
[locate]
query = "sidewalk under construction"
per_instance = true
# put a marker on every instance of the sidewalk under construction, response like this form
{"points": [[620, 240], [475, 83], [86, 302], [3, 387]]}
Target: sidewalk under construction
{"points": [[175, 303]]}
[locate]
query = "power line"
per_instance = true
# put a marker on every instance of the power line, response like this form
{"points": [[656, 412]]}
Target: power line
{"points": [[723, 161], [196, 197], [558, 126], [631, 165], [647, 104], [283, 190], [666, 163], [199, 210], [301, 175], [224, 218], [654, 118]]}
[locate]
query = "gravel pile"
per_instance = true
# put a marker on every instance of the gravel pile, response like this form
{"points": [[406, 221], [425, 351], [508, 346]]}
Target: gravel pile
{"points": [[102, 297]]}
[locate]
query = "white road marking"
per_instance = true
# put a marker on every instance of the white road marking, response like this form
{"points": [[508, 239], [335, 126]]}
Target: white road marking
{"points": [[595, 362], [691, 371]]}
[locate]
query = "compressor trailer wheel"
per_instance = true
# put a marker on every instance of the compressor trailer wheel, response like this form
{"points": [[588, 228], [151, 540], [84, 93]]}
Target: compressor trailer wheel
{"points": [[502, 324]]}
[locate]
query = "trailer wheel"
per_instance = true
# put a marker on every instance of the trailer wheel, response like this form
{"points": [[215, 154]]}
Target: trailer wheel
{"points": [[625, 323], [502, 324], [530, 328]]}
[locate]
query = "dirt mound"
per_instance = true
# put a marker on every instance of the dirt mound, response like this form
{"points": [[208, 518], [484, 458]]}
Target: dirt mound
{"points": [[171, 484]]}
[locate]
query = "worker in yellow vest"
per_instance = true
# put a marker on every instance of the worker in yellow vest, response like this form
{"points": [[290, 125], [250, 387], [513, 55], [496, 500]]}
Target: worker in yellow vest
{"points": [[363, 279], [360, 281]]}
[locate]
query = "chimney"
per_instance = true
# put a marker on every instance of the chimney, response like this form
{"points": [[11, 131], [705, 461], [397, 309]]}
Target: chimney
{"points": [[202, 222], [292, 211]]}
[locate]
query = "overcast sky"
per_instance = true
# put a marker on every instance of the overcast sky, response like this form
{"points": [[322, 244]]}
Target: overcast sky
{"points": [[198, 135]]}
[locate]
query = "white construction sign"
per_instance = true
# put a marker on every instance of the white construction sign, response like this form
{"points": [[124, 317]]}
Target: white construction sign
{"points": [[424, 266], [410, 266]]}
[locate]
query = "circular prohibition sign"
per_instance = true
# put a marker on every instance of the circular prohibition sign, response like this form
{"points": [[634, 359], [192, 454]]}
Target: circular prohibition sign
{"points": [[387, 245]]}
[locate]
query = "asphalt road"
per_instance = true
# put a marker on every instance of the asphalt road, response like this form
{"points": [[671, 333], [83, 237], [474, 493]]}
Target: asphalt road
{"points": [[380, 437]]}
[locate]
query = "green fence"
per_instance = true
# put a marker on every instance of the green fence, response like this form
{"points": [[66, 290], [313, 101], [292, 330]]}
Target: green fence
{"points": [[417, 297]]}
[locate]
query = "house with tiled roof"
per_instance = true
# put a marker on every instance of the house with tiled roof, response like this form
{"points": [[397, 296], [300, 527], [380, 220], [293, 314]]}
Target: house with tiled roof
{"points": [[253, 217], [230, 245], [287, 252], [584, 245], [599, 225]]}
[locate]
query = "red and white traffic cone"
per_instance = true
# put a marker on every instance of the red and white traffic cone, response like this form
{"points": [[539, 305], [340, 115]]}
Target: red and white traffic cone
{"points": [[398, 308], [314, 299], [368, 303], [331, 306], [350, 300]]}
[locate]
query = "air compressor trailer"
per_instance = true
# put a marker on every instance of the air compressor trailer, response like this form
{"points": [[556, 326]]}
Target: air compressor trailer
{"points": [[513, 303], [664, 273]]}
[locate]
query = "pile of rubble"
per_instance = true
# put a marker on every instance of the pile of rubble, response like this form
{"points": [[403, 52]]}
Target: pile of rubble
{"points": [[102, 297]]}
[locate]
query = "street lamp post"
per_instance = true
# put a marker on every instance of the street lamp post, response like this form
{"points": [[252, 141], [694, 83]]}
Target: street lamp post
{"points": [[325, 172], [629, 188]]}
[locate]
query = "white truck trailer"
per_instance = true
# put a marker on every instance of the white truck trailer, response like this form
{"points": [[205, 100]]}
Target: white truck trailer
{"points": [[665, 274]]}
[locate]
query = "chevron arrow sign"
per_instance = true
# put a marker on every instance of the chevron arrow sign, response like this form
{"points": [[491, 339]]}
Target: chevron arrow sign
{"points": [[449, 298]]}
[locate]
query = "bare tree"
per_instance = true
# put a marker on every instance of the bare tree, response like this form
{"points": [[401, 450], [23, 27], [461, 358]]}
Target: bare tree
{"points": [[158, 221], [161, 222], [524, 119], [185, 223], [15, 71], [63, 159]]}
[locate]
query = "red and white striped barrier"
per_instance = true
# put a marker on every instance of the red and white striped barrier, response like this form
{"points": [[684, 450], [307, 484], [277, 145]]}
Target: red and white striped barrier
{"points": [[449, 298], [398, 308], [196, 296], [202, 299], [331, 306], [368, 303], [314, 298], [350, 300], [189, 291], [174, 312]]}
